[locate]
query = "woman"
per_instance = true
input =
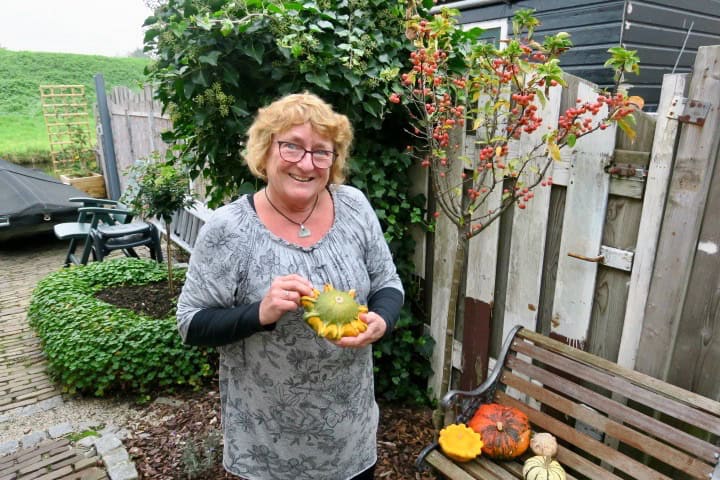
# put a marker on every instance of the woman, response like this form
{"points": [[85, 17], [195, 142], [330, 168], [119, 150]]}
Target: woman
{"points": [[294, 405]]}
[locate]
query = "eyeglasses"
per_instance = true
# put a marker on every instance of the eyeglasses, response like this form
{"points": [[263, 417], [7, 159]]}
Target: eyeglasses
{"points": [[293, 153]]}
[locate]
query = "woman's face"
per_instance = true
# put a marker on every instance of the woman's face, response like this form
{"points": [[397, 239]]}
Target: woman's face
{"points": [[301, 181]]}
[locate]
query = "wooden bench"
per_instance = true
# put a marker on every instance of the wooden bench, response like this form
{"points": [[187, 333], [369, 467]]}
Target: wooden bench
{"points": [[610, 422]]}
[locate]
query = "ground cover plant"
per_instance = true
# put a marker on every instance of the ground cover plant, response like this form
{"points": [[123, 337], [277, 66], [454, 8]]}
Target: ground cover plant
{"points": [[96, 348], [24, 136]]}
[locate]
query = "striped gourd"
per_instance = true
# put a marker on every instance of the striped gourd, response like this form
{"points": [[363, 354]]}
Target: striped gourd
{"points": [[543, 468]]}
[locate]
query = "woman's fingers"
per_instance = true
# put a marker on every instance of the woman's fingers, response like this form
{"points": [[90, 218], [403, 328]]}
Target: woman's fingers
{"points": [[292, 287], [376, 327], [283, 296]]}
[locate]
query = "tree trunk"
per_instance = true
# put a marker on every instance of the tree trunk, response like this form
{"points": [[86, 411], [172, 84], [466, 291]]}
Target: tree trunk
{"points": [[169, 257], [456, 312]]}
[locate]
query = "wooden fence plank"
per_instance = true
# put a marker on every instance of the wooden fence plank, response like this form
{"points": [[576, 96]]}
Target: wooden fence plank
{"points": [[137, 124], [656, 188], [528, 237], [697, 348], [696, 154], [558, 196], [697, 344], [586, 202], [620, 233], [445, 241]]}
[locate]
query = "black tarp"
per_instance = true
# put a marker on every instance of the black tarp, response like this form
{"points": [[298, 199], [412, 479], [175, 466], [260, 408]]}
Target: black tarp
{"points": [[32, 201]]}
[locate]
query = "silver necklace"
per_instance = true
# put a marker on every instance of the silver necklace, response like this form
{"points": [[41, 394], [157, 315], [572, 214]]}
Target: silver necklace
{"points": [[304, 231]]}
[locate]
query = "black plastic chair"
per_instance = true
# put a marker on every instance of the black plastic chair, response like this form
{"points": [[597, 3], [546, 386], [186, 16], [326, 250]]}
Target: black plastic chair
{"points": [[92, 213], [103, 226], [125, 237]]}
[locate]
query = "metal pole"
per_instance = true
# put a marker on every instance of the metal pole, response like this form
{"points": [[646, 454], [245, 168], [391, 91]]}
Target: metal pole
{"points": [[111, 173], [682, 49]]}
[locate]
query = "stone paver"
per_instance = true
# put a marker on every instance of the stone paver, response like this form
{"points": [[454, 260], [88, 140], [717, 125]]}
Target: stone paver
{"points": [[25, 387], [52, 459]]}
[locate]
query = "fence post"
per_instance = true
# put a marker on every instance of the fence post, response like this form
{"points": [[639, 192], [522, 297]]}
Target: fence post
{"points": [[658, 179], [106, 135], [687, 195]]}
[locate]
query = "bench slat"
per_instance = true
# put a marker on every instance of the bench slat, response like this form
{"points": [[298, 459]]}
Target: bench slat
{"points": [[681, 395], [674, 407], [624, 434], [620, 412], [487, 469], [447, 466], [590, 445]]}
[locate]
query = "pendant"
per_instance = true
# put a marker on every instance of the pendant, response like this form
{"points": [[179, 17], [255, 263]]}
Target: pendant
{"points": [[303, 232]]}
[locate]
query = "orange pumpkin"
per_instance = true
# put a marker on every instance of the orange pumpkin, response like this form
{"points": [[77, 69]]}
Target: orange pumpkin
{"points": [[505, 431]]}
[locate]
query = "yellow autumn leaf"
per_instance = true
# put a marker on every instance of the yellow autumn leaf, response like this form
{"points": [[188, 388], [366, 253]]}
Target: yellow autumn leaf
{"points": [[554, 151], [627, 128]]}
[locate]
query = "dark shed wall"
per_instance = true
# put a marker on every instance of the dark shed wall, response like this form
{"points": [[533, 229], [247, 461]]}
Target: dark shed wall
{"points": [[594, 26], [657, 29]]}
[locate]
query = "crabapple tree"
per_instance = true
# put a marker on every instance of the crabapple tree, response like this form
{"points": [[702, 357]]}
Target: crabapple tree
{"points": [[457, 83]]}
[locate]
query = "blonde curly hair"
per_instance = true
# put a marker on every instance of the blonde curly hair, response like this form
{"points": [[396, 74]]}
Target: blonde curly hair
{"points": [[290, 111]]}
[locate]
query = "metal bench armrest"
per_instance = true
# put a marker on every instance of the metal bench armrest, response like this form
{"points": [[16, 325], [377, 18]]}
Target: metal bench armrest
{"points": [[486, 390]]}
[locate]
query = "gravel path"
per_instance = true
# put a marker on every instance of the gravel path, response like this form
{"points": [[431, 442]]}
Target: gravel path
{"points": [[82, 414]]}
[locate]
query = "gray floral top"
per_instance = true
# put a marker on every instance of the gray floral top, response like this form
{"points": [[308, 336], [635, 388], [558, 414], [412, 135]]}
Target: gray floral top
{"points": [[294, 406]]}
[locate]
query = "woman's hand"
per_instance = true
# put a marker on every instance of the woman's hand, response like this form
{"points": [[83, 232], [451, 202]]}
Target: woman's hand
{"points": [[283, 296], [376, 327]]}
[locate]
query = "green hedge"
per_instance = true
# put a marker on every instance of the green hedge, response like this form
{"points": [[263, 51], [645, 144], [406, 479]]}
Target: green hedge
{"points": [[96, 348]]}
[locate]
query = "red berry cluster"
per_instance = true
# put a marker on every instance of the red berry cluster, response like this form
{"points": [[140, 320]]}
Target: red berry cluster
{"points": [[571, 123], [509, 85]]}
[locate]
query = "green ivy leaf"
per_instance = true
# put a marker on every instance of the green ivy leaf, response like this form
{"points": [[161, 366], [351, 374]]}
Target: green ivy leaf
{"points": [[210, 58], [320, 79], [255, 51]]}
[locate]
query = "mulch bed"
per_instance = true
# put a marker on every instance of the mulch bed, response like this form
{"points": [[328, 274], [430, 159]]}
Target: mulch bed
{"points": [[154, 300], [186, 442]]}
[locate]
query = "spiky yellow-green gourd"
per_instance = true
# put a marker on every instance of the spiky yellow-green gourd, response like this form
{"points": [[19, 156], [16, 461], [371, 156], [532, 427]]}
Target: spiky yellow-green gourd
{"points": [[334, 314]]}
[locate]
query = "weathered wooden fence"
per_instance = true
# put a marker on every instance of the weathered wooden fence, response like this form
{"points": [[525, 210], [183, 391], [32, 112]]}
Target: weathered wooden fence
{"points": [[624, 264], [137, 124]]}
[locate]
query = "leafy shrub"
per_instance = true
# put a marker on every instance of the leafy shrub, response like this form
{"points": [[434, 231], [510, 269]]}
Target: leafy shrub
{"points": [[159, 190], [200, 455], [96, 348]]}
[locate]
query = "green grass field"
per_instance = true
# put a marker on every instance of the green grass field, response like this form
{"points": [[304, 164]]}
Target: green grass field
{"points": [[23, 135]]}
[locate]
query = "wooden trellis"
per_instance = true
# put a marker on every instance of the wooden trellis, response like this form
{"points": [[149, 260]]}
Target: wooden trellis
{"points": [[65, 109]]}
